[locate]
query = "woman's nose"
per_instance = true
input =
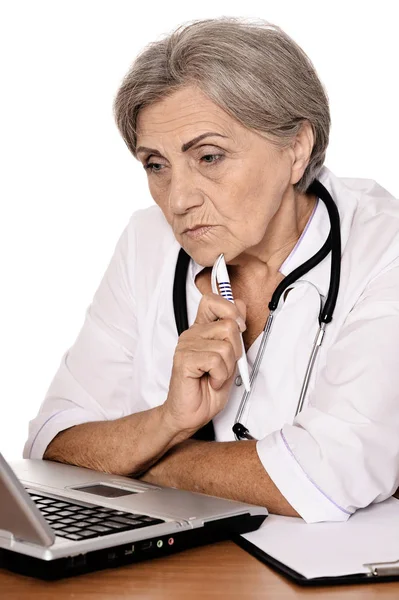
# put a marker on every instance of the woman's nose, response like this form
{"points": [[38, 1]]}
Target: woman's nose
{"points": [[183, 192]]}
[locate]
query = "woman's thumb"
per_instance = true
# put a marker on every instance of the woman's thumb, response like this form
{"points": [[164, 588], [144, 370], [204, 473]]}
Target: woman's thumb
{"points": [[242, 307]]}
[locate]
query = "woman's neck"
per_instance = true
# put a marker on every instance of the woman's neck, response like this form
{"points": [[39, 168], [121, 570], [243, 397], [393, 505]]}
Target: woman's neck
{"points": [[262, 262]]}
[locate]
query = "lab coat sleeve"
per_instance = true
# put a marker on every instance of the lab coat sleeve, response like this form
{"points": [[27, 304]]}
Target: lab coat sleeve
{"points": [[94, 378], [342, 452]]}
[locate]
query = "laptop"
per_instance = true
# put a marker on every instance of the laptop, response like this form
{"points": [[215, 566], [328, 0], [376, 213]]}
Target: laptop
{"points": [[58, 520]]}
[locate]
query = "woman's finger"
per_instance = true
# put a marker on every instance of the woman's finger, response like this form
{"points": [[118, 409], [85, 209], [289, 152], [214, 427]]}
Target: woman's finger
{"points": [[200, 336], [217, 359], [213, 307]]}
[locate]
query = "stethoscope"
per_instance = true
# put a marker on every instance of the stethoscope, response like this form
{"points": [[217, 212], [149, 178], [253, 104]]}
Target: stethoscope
{"points": [[333, 245]]}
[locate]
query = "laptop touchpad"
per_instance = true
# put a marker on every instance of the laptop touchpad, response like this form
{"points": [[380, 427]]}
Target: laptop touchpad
{"points": [[106, 491]]}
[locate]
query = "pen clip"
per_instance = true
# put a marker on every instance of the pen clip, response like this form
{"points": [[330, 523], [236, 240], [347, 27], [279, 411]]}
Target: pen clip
{"points": [[214, 275]]}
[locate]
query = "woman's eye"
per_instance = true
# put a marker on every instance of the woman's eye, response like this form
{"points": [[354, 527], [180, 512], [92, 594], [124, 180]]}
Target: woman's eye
{"points": [[151, 167], [211, 158], [208, 159]]}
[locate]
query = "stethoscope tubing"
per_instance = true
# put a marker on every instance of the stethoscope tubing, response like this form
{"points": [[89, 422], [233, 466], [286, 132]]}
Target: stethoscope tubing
{"points": [[333, 245], [255, 368]]}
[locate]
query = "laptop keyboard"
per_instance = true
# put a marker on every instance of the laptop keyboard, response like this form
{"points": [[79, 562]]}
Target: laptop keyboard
{"points": [[77, 522]]}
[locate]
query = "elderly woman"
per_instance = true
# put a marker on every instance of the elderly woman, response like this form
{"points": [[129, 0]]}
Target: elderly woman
{"points": [[231, 125]]}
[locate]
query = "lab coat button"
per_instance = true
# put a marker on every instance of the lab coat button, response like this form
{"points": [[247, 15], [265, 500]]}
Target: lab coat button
{"points": [[238, 380]]}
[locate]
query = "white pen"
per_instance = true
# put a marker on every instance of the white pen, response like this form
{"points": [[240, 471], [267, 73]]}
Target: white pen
{"points": [[221, 276]]}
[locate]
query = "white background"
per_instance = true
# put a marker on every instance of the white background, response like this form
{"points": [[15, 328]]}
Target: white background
{"points": [[68, 183]]}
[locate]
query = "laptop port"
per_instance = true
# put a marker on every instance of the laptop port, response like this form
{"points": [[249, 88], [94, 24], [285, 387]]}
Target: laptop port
{"points": [[129, 550], [147, 545], [76, 561]]}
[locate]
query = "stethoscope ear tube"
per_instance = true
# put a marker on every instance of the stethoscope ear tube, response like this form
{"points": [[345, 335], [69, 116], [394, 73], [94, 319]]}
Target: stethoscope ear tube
{"points": [[305, 384]]}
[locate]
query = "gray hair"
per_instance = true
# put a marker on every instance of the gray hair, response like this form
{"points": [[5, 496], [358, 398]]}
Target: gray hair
{"points": [[250, 68]]}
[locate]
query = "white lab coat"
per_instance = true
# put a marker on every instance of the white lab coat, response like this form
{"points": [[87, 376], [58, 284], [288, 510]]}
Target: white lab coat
{"points": [[342, 452]]}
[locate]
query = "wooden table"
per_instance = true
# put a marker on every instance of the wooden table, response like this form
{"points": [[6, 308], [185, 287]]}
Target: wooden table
{"points": [[220, 570]]}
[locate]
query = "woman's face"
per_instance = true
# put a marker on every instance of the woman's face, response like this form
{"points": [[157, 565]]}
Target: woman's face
{"points": [[230, 179]]}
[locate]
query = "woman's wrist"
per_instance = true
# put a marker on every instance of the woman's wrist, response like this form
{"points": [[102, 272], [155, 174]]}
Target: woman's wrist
{"points": [[173, 429]]}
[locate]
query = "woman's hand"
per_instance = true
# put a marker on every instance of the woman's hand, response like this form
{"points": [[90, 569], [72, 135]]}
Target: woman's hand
{"points": [[204, 364]]}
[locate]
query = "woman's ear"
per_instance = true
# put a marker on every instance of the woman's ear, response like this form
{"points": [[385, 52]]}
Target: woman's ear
{"points": [[301, 147]]}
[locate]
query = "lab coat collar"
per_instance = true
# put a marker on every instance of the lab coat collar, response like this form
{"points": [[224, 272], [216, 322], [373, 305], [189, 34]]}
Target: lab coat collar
{"points": [[316, 231]]}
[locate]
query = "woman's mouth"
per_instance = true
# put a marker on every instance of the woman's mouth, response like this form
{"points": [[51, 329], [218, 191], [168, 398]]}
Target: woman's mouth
{"points": [[198, 232]]}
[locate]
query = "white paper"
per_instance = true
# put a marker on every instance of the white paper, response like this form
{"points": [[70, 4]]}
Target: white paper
{"points": [[332, 549]]}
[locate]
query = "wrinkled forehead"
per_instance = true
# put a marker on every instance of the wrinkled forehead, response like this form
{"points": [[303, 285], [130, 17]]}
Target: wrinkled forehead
{"points": [[187, 112]]}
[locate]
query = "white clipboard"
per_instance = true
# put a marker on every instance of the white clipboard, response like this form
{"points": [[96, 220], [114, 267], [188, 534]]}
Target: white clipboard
{"points": [[363, 549]]}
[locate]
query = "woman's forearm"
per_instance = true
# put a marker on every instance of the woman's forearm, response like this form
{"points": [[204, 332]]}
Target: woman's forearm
{"points": [[226, 469], [126, 446]]}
